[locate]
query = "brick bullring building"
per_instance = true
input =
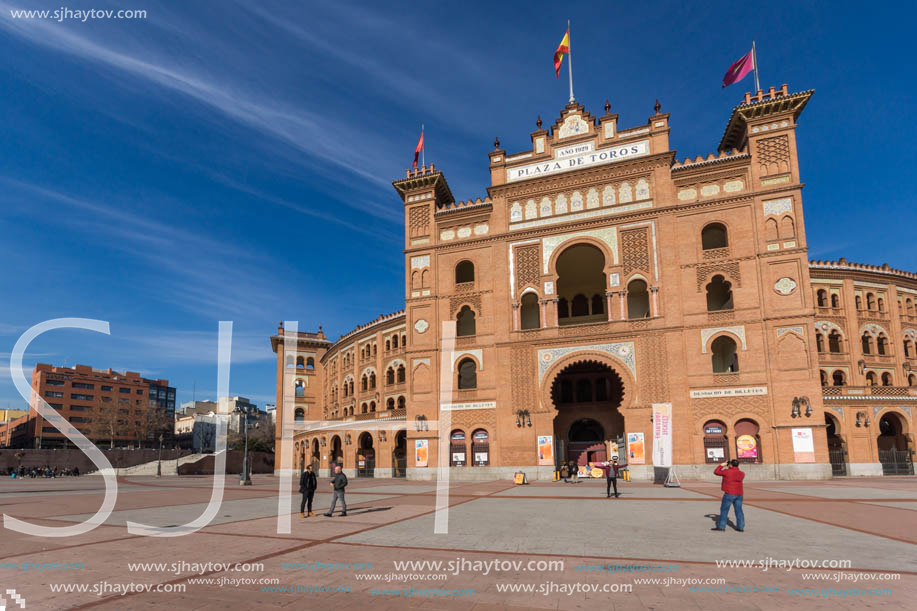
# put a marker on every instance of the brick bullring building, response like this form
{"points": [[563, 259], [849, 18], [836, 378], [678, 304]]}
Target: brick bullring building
{"points": [[600, 282]]}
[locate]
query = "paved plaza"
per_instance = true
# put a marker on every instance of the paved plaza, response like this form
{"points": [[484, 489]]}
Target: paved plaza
{"points": [[570, 533]]}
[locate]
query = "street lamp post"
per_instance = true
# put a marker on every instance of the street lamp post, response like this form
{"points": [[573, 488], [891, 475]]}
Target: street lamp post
{"points": [[245, 478], [159, 463]]}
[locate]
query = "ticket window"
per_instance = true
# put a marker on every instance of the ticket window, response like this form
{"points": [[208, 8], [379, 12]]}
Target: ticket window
{"points": [[748, 442], [458, 456], [480, 448], [716, 445]]}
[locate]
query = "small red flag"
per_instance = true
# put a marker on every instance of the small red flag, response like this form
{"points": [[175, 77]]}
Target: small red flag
{"points": [[738, 70], [418, 149]]}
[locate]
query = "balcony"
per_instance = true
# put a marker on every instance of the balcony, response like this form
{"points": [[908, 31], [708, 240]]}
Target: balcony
{"points": [[829, 311], [868, 392], [872, 316], [834, 357], [716, 253]]}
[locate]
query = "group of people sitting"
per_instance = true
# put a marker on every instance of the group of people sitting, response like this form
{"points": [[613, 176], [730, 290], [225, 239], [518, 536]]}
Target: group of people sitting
{"points": [[45, 471]]}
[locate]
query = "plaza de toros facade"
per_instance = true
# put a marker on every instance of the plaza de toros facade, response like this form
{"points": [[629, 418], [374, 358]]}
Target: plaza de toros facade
{"points": [[600, 282]]}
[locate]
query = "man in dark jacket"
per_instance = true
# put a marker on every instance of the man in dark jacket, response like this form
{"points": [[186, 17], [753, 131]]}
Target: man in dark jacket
{"points": [[732, 494], [611, 477], [338, 483], [307, 485]]}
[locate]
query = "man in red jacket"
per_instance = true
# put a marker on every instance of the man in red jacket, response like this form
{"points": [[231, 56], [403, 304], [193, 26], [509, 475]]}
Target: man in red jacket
{"points": [[732, 494]]}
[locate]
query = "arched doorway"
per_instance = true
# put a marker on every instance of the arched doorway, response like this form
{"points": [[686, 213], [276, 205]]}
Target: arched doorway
{"points": [[337, 454], [400, 455], [895, 452], [837, 451], [716, 446], [366, 456], [587, 395], [316, 456]]}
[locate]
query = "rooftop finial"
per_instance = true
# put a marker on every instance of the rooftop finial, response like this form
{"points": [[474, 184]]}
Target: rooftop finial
{"points": [[538, 122], [607, 106], [496, 143], [658, 106]]}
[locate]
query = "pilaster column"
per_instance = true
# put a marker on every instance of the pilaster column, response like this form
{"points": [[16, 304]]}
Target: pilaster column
{"points": [[654, 303], [609, 304], [516, 324], [554, 316], [623, 299], [543, 304]]}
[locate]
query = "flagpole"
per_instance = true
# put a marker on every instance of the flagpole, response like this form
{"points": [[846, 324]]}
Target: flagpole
{"points": [[754, 54], [423, 143], [570, 60]]}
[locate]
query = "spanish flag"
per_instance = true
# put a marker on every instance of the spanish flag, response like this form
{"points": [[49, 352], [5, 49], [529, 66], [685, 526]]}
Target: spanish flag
{"points": [[562, 48]]}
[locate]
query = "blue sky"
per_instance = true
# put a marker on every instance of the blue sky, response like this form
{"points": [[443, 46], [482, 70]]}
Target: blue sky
{"points": [[232, 161]]}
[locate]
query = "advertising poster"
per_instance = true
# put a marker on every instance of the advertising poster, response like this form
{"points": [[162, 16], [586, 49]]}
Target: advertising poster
{"points": [[420, 452], [662, 434], [803, 445], [717, 453], [746, 446], [635, 451], [545, 450]]}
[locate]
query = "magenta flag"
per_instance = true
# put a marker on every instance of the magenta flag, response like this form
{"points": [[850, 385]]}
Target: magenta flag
{"points": [[738, 70]]}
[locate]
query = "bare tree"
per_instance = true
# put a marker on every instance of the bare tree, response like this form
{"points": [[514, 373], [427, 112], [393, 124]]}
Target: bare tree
{"points": [[108, 421]]}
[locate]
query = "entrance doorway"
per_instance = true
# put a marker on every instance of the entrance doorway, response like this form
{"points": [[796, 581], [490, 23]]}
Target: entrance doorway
{"points": [[400, 455], [337, 454], [837, 452], [587, 395], [316, 456], [895, 452], [366, 456]]}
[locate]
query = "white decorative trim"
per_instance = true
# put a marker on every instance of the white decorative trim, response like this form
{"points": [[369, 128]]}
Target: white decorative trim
{"points": [[417, 362], [573, 125], [608, 235], [873, 329], [370, 369], [785, 286], [420, 262], [622, 351], [421, 326], [457, 407], [607, 211], [548, 288], [706, 334], [778, 206], [395, 364], [477, 353]]}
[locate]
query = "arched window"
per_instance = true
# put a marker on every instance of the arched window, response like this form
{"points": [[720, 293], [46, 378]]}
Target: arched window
{"points": [[401, 402], [859, 302], [300, 362], [725, 357], [907, 348], [882, 345], [365, 382], [467, 374], [310, 363], [390, 376], [834, 342], [716, 446], [390, 404], [364, 409], [372, 379], [401, 374], [787, 227], [839, 378], [404, 340], [881, 303], [638, 300], [871, 378], [770, 230], [562, 308], [480, 448], [465, 324], [372, 406], [824, 378], [464, 272], [835, 301], [870, 301], [583, 391], [719, 294], [580, 306], [529, 313], [300, 388], [912, 380], [822, 297], [748, 443], [820, 341], [388, 345], [713, 236], [909, 306], [394, 341], [867, 343], [374, 349], [299, 415], [886, 379], [598, 304]]}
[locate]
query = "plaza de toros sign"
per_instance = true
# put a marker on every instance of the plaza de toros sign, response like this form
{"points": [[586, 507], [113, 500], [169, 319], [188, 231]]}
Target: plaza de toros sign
{"points": [[577, 157]]}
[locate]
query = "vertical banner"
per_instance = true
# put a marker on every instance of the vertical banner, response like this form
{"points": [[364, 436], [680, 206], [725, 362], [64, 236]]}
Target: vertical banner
{"points": [[420, 453], [662, 434], [545, 449], [803, 445], [636, 455]]}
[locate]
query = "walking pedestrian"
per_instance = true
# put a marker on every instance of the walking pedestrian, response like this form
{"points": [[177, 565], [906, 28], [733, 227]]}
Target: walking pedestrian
{"points": [[338, 483], [732, 494], [307, 485], [565, 472]]}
